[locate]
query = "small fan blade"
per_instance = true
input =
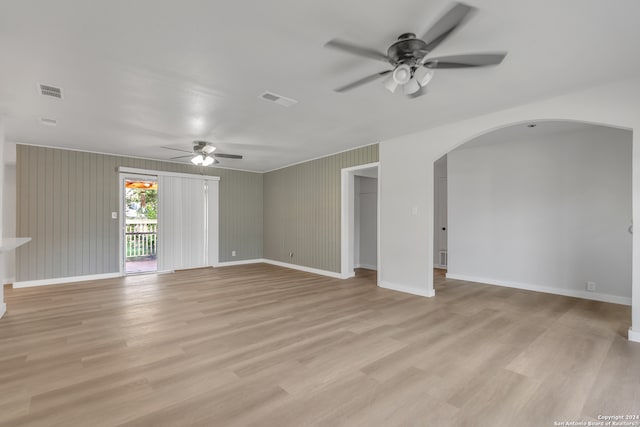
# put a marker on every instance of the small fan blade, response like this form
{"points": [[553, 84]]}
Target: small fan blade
{"points": [[466, 61], [446, 25], [181, 157], [177, 149], [356, 50], [420, 92], [365, 80], [228, 156]]}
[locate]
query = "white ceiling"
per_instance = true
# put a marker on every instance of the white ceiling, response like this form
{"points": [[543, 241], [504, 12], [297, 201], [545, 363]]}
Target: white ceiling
{"points": [[140, 75]]}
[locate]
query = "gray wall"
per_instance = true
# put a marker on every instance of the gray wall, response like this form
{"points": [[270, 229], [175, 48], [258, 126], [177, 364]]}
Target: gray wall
{"points": [[65, 199], [302, 209]]}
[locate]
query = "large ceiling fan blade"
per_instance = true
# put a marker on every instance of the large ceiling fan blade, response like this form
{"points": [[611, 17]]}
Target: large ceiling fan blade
{"points": [[466, 61], [446, 25], [181, 157], [228, 156], [177, 149], [356, 50], [363, 81]]}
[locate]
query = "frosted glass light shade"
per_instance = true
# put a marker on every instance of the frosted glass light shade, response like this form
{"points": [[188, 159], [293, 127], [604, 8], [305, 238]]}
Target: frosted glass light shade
{"points": [[197, 160]]}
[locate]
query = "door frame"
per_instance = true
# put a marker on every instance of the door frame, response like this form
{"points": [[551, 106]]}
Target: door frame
{"points": [[347, 220], [122, 177]]}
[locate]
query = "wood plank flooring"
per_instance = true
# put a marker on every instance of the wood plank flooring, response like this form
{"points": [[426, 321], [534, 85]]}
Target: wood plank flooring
{"points": [[260, 345]]}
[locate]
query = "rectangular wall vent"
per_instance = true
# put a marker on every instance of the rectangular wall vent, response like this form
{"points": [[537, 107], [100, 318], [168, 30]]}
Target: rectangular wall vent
{"points": [[443, 258], [48, 122], [52, 91], [278, 99]]}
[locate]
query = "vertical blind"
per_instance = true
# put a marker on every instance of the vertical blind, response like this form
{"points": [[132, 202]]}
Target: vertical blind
{"points": [[187, 222]]}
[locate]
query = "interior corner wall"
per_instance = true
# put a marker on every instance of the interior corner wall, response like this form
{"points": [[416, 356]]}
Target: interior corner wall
{"points": [[2, 273], [302, 209], [65, 199], [544, 212], [440, 208], [9, 220]]}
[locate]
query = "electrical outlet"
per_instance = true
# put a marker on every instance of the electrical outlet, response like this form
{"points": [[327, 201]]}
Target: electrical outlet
{"points": [[233, 253], [591, 286], [114, 215], [290, 254]]}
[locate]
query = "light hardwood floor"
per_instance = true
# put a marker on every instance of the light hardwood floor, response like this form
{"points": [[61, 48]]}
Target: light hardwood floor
{"points": [[260, 345]]}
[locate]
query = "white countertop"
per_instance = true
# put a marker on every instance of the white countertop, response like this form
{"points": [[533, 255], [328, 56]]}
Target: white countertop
{"points": [[10, 243]]}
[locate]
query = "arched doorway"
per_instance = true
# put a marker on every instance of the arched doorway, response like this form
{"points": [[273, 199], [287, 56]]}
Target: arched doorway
{"points": [[543, 206]]}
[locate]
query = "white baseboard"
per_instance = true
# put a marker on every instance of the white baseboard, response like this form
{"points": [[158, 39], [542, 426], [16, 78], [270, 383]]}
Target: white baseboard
{"points": [[8, 280], [287, 265], [634, 335], [308, 269], [545, 289], [240, 262], [3, 310], [60, 280], [408, 289], [367, 266]]}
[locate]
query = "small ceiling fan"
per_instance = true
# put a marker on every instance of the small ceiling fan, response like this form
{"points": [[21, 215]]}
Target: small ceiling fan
{"points": [[203, 154], [409, 56]]}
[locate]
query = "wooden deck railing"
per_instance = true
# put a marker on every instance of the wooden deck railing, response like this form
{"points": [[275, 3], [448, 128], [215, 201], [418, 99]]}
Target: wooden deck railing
{"points": [[141, 237]]}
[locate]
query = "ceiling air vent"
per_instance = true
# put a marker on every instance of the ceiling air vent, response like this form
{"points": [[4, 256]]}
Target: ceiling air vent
{"points": [[52, 91], [48, 122], [278, 99]]}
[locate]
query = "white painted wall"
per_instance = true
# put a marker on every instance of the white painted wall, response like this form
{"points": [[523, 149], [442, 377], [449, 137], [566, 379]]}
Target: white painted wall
{"points": [[3, 307], [440, 240], [366, 223], [406, 208], [549, 212], [9, 219]]}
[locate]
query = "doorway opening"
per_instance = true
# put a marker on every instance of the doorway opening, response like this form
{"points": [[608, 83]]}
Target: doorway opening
{"points": [[542, 206], [360, 224], [140, 213]]}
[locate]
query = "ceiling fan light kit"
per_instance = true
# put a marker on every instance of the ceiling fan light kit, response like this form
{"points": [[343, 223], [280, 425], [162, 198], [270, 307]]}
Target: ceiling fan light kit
{"points": [[197, 159], [423, 75], [411, 87], [409, 56], [402, 74], [203, 154]]}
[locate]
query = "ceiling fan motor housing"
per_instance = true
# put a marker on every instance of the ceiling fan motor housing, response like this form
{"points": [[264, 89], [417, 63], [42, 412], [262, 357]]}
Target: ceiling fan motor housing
{"points": [[407, 50]]}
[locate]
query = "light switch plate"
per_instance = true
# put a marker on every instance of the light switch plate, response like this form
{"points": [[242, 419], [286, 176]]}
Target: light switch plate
{"points": [[114, 215]]}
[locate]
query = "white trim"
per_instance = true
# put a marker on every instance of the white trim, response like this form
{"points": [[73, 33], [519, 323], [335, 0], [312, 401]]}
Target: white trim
{"points": [[59, 280], [240, 262], [545, 289], [634, 335], [152, 172], [8, 281], [347, 209], [3, 310], [408, 289], [367, 266], [320, 157], [308, 269]]}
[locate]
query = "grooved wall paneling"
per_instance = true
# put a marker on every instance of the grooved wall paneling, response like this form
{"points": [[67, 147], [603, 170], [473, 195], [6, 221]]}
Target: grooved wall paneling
{"points": [[65, 199], [302, 209]]}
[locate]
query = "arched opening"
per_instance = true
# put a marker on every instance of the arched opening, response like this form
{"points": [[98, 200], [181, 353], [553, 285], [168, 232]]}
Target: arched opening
{"points": [[543, 205]]}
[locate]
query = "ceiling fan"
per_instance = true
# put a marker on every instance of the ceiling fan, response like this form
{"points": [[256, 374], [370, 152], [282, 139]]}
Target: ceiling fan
{"points": [[203, 154], [409, 56]]}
